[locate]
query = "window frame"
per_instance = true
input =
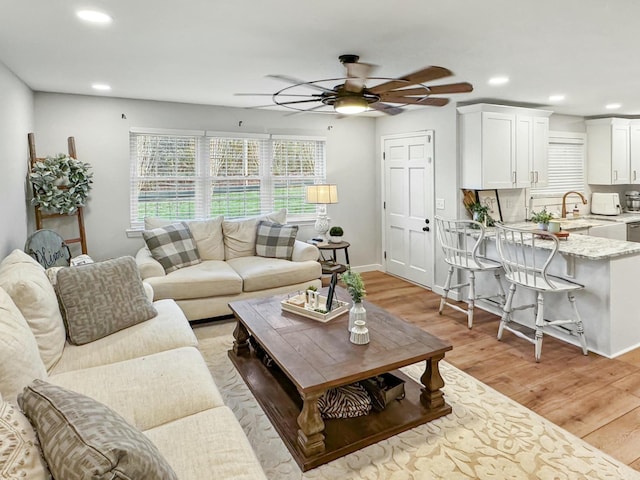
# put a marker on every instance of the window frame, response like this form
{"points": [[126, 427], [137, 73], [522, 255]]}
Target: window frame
{"points": [[204, 180]]}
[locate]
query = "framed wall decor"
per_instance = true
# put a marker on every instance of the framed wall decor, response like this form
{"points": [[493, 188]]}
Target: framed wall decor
{"points": [[489, 198]]}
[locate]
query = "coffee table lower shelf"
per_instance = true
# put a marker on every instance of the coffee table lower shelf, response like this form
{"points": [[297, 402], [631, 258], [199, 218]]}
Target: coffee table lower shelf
{"points": [[281, 402]]}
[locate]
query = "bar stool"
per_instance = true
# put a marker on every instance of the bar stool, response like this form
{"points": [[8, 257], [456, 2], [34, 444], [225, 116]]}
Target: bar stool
{"points": [[454, 236], [526, 266]]}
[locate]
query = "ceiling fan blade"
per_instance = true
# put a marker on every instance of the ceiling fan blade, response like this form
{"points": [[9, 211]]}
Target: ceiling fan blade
{"points": [[424, 75], [431, 101], [297, 81], [422, 91], [462, 87], [385, 108], [357, 74]]}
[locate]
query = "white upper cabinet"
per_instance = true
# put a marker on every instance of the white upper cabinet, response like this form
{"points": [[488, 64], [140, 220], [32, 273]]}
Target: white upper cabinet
{"points": [[634, 151], [503, 147], [608, 151]]}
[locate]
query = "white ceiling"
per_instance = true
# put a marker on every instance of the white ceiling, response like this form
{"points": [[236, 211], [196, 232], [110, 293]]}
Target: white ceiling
{"points": [[204, 51]]}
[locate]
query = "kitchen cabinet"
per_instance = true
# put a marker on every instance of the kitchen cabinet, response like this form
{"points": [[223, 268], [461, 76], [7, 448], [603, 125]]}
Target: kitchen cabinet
{"points": [[503, 147], [634, 151], [608, 151]]}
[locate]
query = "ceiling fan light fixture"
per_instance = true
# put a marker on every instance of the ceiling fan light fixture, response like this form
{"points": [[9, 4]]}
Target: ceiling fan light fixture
{"points": [[351, 105]]}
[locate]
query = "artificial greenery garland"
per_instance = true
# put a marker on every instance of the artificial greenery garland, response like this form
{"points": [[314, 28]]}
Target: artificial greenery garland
{"points": [[61, 184]]}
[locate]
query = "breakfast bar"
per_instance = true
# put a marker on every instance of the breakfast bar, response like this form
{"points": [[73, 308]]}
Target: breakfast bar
{"points": [[607, 305]]}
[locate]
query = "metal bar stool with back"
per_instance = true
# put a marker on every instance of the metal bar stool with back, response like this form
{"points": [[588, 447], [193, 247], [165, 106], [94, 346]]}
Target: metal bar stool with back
{"points": [[526, 266], [455, 237]]}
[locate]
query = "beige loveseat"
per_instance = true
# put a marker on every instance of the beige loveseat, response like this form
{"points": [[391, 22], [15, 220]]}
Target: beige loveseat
{"points": [[230, 269], [150, 373]]}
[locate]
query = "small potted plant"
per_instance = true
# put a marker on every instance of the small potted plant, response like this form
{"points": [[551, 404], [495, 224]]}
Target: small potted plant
{"points": [[542, 218], [355, 287], [481, 214], [335, 234]]}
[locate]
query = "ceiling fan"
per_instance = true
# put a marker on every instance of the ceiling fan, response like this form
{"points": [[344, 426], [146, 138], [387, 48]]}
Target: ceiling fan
{"points": [[353, 96]]}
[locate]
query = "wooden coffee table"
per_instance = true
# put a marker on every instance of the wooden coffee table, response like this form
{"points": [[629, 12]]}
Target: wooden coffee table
{"points": [[314, 356]]}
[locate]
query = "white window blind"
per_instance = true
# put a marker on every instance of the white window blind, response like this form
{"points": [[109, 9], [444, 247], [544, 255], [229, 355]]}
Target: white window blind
{"points": [[566, 154], [202, 175]]}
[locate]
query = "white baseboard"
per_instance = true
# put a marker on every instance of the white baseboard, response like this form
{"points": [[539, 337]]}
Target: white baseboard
{"points": [[453, 294], [374, 267]]}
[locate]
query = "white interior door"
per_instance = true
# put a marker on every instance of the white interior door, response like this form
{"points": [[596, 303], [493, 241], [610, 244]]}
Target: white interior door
{"points": [[408, 206]]}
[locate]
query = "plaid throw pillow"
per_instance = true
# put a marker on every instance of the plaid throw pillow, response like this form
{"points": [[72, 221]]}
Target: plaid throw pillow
{"points": [[172, 246], [274, 240]]}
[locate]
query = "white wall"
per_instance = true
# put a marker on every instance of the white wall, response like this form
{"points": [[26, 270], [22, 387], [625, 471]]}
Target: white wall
{"points": [[102, 139], [443, 122], [16, 121]]}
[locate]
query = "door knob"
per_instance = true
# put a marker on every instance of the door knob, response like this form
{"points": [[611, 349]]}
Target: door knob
{"points": [[425, 229]]}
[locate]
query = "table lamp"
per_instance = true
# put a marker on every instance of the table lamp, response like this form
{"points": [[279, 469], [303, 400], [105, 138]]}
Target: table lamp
{"points": [[322, 194]]}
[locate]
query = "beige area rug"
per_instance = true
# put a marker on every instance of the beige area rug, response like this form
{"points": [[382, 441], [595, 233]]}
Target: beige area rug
{"points": [[487, 436]]}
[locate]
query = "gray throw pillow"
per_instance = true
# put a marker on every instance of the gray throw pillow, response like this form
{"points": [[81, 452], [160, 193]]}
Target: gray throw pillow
{"points": [[82, 439], [274, 240], [101, 298], [173, 246]]}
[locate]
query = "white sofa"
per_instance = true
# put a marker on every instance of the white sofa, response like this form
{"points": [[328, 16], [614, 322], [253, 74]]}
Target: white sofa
{"points": [[230, 269], [151, 373]]}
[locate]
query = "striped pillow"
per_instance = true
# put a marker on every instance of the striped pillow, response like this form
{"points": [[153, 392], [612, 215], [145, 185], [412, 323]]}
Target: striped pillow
{"points": [[274, 240], [172, 246]]}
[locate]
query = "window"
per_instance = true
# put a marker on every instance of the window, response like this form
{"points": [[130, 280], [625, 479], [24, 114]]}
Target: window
{"points": [[566, 153], [185, 175]]}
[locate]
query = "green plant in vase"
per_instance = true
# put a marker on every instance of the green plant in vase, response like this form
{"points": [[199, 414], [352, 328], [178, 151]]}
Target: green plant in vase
{"points": [[335, 234], [542, 218], [481, 214], [355, 286]]}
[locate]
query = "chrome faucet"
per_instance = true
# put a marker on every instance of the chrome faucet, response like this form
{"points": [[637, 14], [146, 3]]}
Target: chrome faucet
{"points": [[564, 202]]}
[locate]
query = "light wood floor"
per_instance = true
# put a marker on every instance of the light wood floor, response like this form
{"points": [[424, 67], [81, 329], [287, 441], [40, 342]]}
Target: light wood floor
{"points": [[595, 398]]}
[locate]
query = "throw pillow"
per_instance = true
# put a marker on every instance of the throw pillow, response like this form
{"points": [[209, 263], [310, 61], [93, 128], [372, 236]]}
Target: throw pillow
{"points": [[20, 360], [101, 298], [172, 246], [207, 234], [240, 235], [26, 282], [274, 240], [20, 455], [84, 439]]}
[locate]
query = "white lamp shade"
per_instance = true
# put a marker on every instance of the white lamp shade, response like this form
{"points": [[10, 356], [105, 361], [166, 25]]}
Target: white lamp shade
{"points": [[323, 194]]}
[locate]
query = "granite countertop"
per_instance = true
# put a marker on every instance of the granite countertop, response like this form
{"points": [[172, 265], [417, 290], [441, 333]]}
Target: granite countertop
{"points": [[579, 245]]}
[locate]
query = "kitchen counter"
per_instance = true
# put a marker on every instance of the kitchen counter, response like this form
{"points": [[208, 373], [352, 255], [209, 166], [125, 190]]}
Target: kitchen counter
{"points": [[578, 245], [607, 268]]}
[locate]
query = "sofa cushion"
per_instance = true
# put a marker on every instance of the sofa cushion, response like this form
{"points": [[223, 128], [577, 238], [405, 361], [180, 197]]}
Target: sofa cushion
{"points": [[20, 360], [150, 390], [274, 240], [172, 246], [26, 282], [209, 278], [207, 234], [167, 330], [101, 298], [240, 235], [83, 439], [259, 273], [216, 430], [19, 449]]}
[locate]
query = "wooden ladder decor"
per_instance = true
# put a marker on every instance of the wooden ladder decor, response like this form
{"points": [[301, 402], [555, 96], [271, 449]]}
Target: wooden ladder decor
{"points": [[40, 216]]}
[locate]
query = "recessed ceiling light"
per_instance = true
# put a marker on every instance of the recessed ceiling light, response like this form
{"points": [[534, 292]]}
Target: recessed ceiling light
{"points": [[556, 98], [101, 86], [94, 16], [498, 80], [612, 106]]}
